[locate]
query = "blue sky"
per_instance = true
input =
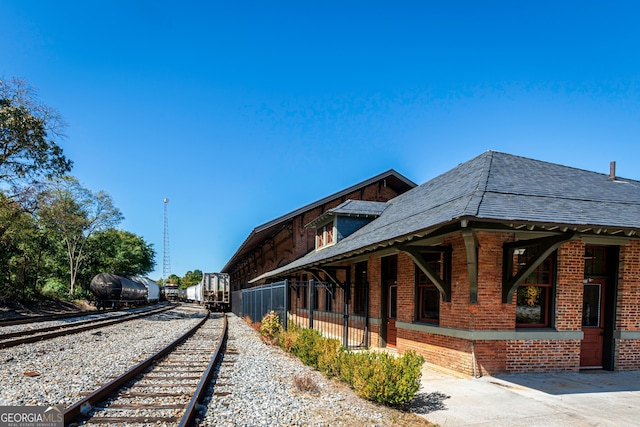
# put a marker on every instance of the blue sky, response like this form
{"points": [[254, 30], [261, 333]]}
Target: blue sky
{"points": [[242, 111]]}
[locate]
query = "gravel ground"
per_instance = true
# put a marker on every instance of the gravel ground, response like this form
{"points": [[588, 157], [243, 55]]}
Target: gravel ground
{"points": [[54, 371], [257, 385], [260, 385]]}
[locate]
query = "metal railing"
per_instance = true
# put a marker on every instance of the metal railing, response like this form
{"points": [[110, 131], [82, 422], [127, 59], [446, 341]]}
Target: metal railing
{"points": [[336, 311]]}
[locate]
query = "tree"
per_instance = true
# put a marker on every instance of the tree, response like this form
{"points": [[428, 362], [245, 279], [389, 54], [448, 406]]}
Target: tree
{"points": [[191, 278], [119, 252], [174, 280], [28, 133], [74, 214], [20, 250]]}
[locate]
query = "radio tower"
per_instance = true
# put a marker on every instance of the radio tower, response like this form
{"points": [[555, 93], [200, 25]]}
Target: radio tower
{"points": [[166, 261]]}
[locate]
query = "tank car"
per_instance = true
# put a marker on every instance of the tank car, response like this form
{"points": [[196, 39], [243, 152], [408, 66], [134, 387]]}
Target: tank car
{"points": [[112, 290]]}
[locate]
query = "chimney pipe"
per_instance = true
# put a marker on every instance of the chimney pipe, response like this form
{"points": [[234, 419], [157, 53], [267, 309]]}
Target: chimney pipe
{"points": [[612, 171]]}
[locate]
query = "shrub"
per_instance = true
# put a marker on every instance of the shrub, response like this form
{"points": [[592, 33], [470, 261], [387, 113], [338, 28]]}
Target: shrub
{"points": [[308, 347], [270, 326], [54, 288], [386, 379], [287, 339], [330, 357], [376, 376], [304, 383]]}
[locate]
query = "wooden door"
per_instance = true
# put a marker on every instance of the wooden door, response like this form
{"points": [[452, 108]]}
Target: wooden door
{"points": [[391, 315], [591, 348]]}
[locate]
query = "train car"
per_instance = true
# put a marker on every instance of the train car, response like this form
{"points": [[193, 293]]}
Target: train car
{"points": [[170, 292], [110, 290], [182, 295], [194, 293], [153, 289], [216, 291]]}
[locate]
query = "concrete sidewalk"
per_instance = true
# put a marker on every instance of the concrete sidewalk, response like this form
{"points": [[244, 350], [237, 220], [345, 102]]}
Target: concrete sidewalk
{"points": [[587, 398]]}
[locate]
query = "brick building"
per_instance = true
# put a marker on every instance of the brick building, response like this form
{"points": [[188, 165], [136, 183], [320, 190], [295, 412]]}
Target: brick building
{"points": [[502, 264]]}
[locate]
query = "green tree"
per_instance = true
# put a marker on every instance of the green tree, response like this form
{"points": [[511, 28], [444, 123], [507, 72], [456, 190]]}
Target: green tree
{"points": [[73, 214], [174, 280], [29, 131], [191, 278], [20, 251], [119, 252]]}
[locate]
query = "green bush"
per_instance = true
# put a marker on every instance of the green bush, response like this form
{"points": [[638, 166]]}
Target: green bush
{"points": [[376, 376], [54, 288], [330, 357], [386, 379], [270, 327], [308, 347]]}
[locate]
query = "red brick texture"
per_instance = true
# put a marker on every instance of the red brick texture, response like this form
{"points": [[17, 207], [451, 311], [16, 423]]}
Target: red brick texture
{"points": [[491, 356]]}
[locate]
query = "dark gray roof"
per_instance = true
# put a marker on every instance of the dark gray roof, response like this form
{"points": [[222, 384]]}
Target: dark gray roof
{"points": [[362, 208], [495, 187]]}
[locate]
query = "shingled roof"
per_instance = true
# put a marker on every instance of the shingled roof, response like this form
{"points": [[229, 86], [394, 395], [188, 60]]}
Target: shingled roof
{"points": [[495, 187]]}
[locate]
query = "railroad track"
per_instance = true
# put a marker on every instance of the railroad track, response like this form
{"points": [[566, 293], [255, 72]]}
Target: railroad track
{"points": [[166, 388], [45, 317], [34, 335]]}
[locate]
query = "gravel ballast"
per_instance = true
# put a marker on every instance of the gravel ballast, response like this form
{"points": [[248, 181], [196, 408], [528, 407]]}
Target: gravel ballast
{"points": [[256, 385]]}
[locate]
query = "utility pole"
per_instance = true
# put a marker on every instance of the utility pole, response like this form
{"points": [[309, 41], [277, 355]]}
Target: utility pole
{"points": [[166, 259]]}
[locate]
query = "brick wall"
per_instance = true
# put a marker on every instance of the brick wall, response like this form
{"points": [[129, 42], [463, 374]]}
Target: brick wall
{"points": [[569, 286], [628, 311], [627, 355], [543, 356]]}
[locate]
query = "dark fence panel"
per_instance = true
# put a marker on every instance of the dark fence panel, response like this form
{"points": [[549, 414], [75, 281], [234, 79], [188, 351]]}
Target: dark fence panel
{"points": [[236, 303], [258, 301], [338, 312]]}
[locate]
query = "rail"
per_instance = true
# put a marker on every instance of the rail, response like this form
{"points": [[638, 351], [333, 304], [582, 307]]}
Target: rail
{"points": [[84, 405]]}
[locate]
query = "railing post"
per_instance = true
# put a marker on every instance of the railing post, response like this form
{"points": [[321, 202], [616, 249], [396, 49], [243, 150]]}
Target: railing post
{"points": [[347, 294], [286, 303], [312, 291]]}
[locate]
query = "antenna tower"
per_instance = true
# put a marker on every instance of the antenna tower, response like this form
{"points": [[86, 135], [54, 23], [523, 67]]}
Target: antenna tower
{"points": [[166, 259]]}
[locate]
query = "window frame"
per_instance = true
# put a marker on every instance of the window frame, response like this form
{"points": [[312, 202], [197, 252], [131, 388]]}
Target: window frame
{"points": [[442, 266], [325, 235], [545, 289]]}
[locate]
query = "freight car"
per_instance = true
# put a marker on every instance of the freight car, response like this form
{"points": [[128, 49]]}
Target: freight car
{"points": [[194, 293], [153, 289], [216, 294], [212, 291]]}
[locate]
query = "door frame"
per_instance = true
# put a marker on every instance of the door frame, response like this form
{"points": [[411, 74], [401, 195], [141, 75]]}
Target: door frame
{"points": [[594, 333], [388, 278], [610, 277]]}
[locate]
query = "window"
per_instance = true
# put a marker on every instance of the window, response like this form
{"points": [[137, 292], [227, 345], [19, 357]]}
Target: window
{"points": [[320, 237], [428, 295], [324, 235], [534, 295], [595, 261]]}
